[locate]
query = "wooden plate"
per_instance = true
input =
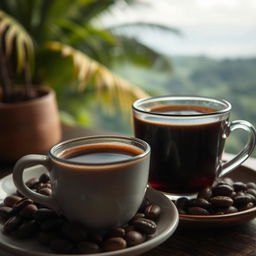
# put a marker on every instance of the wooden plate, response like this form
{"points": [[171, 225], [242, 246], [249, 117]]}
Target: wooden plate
{"points": [[243, 174]]}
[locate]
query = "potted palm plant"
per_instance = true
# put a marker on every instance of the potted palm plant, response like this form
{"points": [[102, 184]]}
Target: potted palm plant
{"points": [[29, 115], [55, 43]]}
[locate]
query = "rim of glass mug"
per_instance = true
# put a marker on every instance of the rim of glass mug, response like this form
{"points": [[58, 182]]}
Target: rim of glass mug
{"points": [[222, 106], [56, 150]]}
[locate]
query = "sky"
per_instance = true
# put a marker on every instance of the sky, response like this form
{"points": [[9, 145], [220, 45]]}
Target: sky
{"points": [[216, 28]]}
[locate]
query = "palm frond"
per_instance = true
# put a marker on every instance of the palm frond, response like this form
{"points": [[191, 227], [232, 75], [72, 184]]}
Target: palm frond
{"points": [[142, 55], [80, 32], [11, 32], [90, 10], [89, 71], [145, 25]]}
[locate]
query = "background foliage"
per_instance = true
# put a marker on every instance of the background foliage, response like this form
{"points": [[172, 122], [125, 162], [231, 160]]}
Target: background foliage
{"points": [[63, 44]]}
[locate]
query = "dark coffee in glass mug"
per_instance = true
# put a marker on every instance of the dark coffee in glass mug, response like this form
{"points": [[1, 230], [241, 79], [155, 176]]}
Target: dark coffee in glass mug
{"points": [[187, 136]]}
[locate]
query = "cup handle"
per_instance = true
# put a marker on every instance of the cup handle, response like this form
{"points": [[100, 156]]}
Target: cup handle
{"points": [[246, 151], [25, 162]]}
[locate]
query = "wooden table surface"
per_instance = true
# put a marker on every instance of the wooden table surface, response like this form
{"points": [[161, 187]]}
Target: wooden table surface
{"points": [[229, 241]]}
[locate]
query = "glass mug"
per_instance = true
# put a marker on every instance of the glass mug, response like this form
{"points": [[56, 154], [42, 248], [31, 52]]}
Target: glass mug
{"points": [[187, 136]]}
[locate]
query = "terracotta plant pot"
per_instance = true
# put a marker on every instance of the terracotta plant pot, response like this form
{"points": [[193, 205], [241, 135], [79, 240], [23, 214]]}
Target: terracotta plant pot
{"points": [[29, 127]]}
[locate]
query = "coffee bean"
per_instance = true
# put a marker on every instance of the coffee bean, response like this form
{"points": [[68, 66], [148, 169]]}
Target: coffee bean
{"points": [[218, 181], [136, 216], [251, 191], [61, 245], [129, 228], [234, 194], [222, 190], [12, 224], [134, 237], [21, 203], [197, 211], [251, 185], [28, 211], [74, 231], [86, 247], [230, 209], [228, 181], [11, 200], [247, 206], [44, 178], [95, 237], [192, 202], [45, 191], [44, 214], [144, 204], [182, 203], [45, 238], [242, 200], [181, 211], [51, 224], [114, 244], [116, 232], [203, 203], [145, 225], [221, 201], [253, 198], [43, 185], [239, 193], [205, 193], [152, 212], [32, 183], [239, 186], [5, 213], [27, 229], [222, 181]]}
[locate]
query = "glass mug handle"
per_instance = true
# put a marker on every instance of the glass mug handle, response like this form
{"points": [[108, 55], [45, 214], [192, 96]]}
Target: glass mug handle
{"points": [[29, 161], [246, 151]]}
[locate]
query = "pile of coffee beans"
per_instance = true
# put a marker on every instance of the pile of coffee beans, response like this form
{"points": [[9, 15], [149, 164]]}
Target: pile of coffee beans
{"points": [[24, 219], [225, 196]]}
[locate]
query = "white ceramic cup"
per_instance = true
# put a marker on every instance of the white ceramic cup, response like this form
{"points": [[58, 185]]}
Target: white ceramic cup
{"points": [[98, 195]]}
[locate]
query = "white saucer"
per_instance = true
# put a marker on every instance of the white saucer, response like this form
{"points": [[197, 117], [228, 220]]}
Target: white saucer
{"points": [[167, 224]]}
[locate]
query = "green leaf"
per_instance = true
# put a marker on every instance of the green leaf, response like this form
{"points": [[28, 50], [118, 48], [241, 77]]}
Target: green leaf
{"points": [[143, 55], [12, 31], [89, 71], [144, 25]]}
